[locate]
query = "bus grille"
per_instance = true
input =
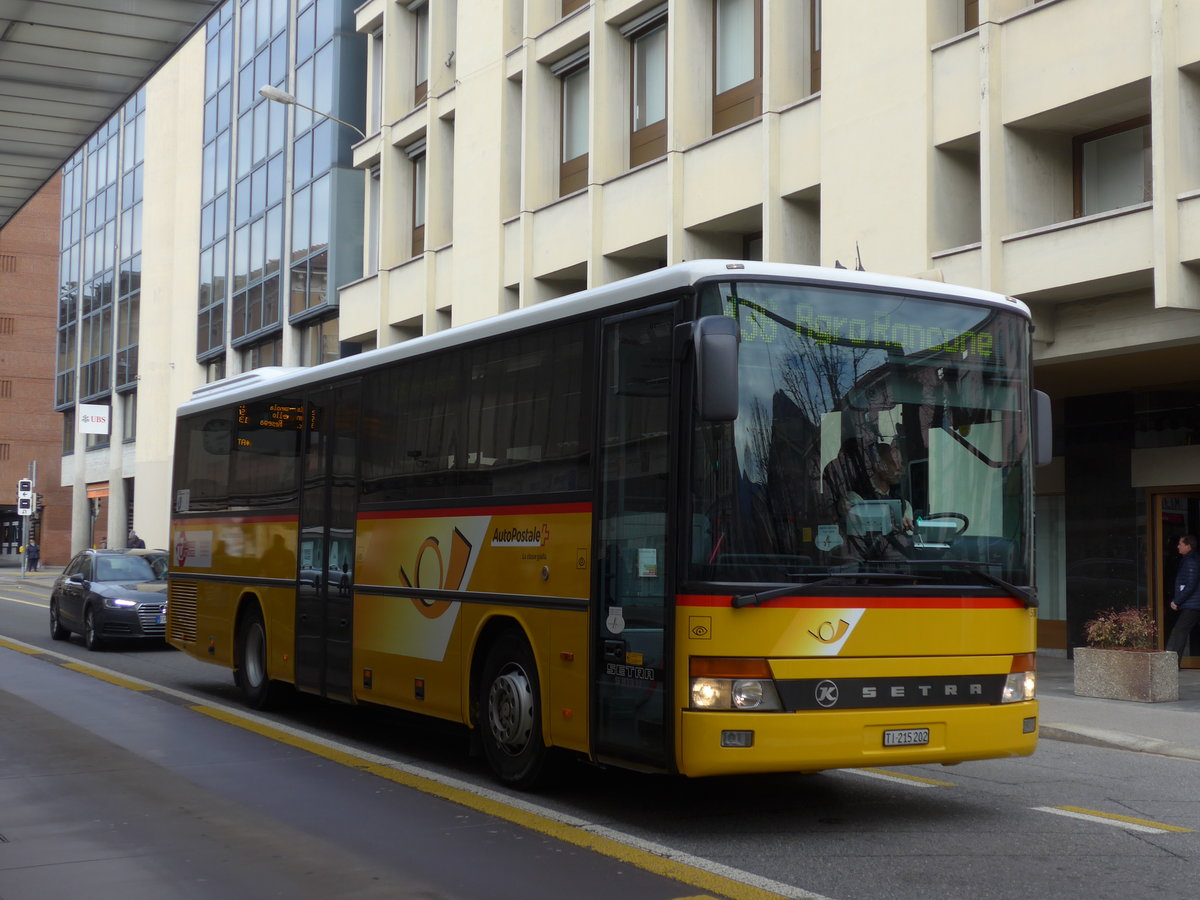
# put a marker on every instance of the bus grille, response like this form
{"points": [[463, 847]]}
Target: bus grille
{"points": [[181, 611]]}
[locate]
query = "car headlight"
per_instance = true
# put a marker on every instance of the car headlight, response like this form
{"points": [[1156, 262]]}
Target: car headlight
{"points": [[119, 603]]}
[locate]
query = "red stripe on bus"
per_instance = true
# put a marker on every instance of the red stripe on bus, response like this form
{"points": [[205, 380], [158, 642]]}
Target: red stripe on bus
{"points": [[549, 509], [860, 602]]}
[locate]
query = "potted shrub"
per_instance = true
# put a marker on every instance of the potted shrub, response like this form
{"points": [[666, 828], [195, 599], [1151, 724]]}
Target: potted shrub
{"points": [[1122, 660]]}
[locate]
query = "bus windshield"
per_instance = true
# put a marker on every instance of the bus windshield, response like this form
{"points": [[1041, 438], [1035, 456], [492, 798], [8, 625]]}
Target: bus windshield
{"points": [[876, 433]]}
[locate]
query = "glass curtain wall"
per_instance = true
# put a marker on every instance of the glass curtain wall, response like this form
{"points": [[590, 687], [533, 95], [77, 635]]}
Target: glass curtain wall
{"points": [[100, 267], [258, 205], [268, 179], [214, 191]]}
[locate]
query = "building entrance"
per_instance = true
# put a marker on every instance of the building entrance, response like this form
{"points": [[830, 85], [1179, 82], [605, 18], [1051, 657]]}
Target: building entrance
{"points": [[1174, 513]]}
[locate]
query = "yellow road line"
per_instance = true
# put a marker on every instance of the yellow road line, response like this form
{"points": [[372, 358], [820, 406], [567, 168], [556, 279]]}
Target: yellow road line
{"points": [[915, 780], [720, 880], [580, 834], [105, 675], [26, 602], [27, 649], [1103, 818]]}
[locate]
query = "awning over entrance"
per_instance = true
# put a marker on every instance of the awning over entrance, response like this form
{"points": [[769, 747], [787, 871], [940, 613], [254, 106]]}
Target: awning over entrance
{"points": [[65, 67]]}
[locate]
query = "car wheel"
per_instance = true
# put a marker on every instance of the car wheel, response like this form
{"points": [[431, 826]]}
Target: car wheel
{"points": [[511, 724], [91, 637], [57, 631], [250, 661]]}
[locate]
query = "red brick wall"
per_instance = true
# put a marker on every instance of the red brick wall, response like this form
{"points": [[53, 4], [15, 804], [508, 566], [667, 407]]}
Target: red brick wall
{"points": [[30, 429]]}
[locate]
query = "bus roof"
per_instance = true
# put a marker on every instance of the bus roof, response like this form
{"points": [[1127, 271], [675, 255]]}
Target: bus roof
{"points": [[272, 379]]}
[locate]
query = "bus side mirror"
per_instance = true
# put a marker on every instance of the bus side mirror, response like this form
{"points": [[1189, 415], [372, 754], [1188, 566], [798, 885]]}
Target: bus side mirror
{"points": [[1043, 443], [716, 343]]}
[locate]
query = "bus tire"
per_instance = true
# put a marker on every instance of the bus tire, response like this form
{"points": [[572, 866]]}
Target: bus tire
{"points": [[510, 723], [250, 660]]}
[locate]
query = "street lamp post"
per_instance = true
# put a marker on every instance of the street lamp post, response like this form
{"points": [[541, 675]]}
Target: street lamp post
{"points": [[273, 93]]}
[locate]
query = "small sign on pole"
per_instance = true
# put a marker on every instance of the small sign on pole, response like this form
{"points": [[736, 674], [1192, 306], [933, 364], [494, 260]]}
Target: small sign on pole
{"points": [[25, 497]]}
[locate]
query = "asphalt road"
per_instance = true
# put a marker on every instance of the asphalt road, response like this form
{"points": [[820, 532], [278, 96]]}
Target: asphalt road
{"points": [[1071, 821]]}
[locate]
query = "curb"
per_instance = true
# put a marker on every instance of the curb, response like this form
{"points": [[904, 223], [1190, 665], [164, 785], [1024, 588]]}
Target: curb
{"points": [[1117, 740]]}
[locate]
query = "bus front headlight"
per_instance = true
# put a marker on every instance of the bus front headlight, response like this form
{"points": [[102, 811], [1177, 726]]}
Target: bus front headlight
{"points": [[1021, 683], [735, 694]]}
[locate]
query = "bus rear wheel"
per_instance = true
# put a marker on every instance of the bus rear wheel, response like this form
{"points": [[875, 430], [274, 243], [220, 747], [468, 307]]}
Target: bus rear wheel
{"points": [[511, 721], [250, 661]]}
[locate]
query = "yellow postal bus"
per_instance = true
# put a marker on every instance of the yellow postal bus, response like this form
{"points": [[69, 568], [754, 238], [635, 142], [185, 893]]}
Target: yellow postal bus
{"points": [[724, 517]]}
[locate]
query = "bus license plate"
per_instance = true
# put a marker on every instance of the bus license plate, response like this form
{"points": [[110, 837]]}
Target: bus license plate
{"points": [[905, 737]]}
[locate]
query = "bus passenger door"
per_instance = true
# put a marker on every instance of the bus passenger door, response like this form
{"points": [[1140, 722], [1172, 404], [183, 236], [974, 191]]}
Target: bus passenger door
{"points": [[324, 599], [631, 707]]}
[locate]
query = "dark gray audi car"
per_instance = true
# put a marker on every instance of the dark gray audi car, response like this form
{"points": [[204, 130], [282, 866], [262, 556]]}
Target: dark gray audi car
{"points": [[107, 595]]}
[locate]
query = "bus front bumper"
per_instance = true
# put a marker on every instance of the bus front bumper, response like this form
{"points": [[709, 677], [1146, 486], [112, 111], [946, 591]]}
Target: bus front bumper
{"points": [[724, 743]]}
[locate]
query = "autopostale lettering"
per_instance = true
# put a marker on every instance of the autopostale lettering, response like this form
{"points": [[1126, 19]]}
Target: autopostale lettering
{"points": [[880, 693]]}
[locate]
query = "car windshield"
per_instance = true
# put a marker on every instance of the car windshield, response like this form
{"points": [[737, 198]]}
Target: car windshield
{"points": [[158, 563], [125, 569], [876, 432]]}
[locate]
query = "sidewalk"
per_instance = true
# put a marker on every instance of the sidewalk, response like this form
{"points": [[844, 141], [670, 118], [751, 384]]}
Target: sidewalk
{"points": [[1167, 729]]}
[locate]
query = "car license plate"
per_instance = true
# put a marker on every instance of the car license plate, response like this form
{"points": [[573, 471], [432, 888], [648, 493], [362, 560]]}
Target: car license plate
{"points": [[905, 737], [162, 619]]}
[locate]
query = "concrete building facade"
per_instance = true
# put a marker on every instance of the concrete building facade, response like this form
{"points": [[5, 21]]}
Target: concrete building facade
{"points": [[518, 150]]}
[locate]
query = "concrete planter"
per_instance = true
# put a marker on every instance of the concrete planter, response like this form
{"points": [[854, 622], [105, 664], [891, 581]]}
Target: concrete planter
{"points": [[1149, 676]]}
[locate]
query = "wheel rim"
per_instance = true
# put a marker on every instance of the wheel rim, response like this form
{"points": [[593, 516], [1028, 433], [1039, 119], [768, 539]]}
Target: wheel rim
{"points": [[89, 627], [53, 616], [255, 653], [510, 709]]}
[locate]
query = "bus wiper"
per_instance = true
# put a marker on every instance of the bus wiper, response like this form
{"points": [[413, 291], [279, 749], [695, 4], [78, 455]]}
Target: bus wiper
{"points": [[841, 578], [1026, 597]]}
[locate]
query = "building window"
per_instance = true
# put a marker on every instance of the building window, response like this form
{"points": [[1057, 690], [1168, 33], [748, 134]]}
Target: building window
{"points": [[569, 6], [420, 13], [970, 15], [319, 342], [373, 222], [375, 111], [737, 62], [128, 401], [416, 155], [1113, 167], [267, 353], [814, 46], [573, 74], [648, 77]]}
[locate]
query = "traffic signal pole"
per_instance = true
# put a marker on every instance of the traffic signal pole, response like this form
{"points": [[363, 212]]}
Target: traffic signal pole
{"points": [[25, 507]]}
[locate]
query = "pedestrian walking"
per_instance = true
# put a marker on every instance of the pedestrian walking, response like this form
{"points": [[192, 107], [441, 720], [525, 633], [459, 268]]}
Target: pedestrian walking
{"points": [[1186, 598], [135, 542], [32, 554]]}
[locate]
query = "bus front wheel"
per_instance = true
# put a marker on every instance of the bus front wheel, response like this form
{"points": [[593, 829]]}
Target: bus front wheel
{"points": [[511, 724], [250, 661]]}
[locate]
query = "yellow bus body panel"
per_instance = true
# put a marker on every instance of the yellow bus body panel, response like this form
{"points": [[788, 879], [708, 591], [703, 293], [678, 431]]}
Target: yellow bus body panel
{"points": [[241, 547], [811, 741], [410, 653], [843, 638]]}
